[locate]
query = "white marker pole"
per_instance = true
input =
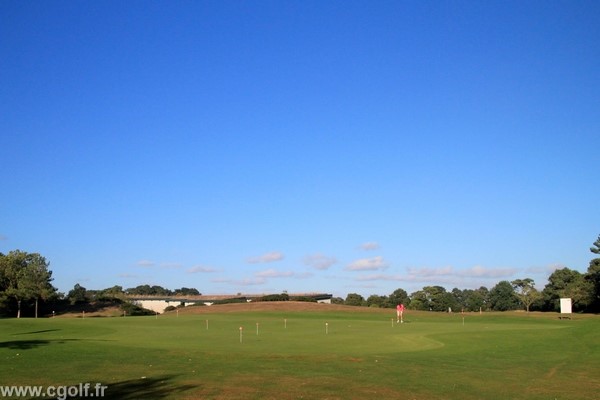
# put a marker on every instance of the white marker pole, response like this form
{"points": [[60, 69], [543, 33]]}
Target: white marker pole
{"points": [[326, 328], [285, 323], [241, 330], [392, 322], [206, 324]]}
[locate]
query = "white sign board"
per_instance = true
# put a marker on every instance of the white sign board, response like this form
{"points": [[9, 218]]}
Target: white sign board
{"points": [[565, 306]]}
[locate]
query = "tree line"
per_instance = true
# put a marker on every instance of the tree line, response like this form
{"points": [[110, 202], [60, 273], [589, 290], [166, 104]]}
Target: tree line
{"points": [[583, 289], [25, 284]]}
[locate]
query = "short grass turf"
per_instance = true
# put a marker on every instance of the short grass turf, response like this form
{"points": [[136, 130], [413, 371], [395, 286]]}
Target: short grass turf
{"points": [[309, 355]]}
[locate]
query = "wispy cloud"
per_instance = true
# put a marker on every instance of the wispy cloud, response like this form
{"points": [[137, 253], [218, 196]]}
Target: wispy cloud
{"points": [[170, 265], [145, 263], [381, 277], [368, 246], [266, 258], [549, 269], [482, 272], [425, 272], [273, 273], [241, 282], [200, 269], [446, 276], [319, 261], [367, 264], [128, 276]]}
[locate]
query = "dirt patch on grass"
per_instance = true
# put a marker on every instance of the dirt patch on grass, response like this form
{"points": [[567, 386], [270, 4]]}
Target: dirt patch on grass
{"points": [[286, 306], [102, 312], [256, 386]]}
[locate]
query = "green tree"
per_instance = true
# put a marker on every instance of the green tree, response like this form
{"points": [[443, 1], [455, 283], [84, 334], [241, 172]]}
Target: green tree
{"points": [[37, 280], [596, 246], [593, 277], [354, 299], [526, 292], [419, 301], [439, 299], [337, 300], [565, 282], [377, 301], [398, 296], [502, 297], [187, 292], [432, 298], [115, 292], [475, 300], [24, 277], [78, 294]]}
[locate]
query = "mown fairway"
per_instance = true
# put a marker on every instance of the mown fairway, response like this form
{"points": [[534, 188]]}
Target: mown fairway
{"points": [[320, 354]]}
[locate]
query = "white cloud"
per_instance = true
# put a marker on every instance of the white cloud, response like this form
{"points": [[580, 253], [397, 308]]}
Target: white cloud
{"points": [[266, 258], [319, 261], [367, 264], [272, 273], [200, 268], [367, 246]]}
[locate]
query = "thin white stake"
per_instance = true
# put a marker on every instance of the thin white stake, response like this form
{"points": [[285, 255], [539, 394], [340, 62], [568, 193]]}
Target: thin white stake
{"points": [[241, 334], [326, 328], [285, 323], [257, 329], [392, 322], [206, 324]]}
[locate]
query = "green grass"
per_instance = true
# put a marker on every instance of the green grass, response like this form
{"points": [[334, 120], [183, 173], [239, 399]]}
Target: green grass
{"points": [[362, 355]]}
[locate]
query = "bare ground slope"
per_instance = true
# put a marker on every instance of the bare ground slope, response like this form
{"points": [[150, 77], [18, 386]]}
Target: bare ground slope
{"points": [[287, 306]]}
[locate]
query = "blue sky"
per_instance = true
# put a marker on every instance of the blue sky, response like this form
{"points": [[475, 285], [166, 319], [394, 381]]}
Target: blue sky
{"points": [[329, 146]]}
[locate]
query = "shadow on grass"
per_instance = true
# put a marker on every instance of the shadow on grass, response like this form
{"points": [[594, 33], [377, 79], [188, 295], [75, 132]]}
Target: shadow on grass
{"points": [[154, 388], [32, 344], [33, 332]]}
